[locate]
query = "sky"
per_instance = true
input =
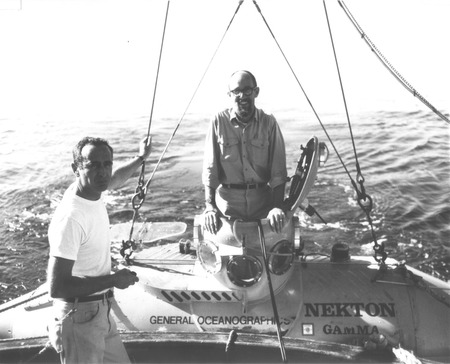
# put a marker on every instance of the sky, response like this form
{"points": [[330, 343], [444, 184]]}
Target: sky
{"points": [[99, 58]]}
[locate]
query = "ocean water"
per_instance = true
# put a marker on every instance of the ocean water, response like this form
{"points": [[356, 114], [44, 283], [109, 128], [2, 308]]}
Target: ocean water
{"points": [[404, 159]]}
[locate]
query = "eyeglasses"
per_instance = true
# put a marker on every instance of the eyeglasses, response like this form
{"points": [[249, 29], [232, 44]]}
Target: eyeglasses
{"points": [[247, 91]]}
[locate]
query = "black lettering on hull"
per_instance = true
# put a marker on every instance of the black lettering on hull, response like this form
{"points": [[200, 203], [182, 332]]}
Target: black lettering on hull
{"points": [[350, 309], [364, 330]]}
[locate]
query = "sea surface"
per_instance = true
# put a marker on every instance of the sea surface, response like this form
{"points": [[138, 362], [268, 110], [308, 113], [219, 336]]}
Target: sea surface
{"points": [[404, 158]]}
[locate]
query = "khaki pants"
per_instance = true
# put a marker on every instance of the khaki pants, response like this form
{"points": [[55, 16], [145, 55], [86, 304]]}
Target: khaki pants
{"points": [[244, 204], [85, 332]]}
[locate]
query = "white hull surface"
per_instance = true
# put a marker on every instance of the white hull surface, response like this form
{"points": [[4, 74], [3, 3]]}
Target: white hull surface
{"points": [[319, 302]]}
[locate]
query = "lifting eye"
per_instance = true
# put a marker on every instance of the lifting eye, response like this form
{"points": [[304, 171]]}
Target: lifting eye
{"points": [[209, 256], [281, 257], [244, 270]]}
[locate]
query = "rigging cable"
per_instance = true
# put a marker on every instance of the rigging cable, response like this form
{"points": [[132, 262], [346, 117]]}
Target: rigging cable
{"points": [[190, 101], [388, 65], [364, 200], [304, 92], [141, 190]]}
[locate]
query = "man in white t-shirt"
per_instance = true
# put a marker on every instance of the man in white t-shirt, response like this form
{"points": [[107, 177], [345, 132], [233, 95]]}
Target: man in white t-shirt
{"points": [[79, 270]]}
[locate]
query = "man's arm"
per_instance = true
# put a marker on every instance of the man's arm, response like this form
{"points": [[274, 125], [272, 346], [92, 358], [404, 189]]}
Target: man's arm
{"points": [[125, 171], [211, 221], [278, 195], [276, 216], [62, 284], [210, 198], [210, 177]]}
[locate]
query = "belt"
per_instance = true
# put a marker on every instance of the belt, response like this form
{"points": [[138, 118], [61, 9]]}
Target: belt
{"points": [[244, 186], [96, 297]]}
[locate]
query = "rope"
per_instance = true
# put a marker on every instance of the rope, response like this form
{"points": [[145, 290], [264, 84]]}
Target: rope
{"points": [[388, 65]]}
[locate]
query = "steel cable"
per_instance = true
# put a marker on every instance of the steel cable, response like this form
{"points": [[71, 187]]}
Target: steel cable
{"points": [[141, 190], [364, 200], [303, 90], [388, 65]]}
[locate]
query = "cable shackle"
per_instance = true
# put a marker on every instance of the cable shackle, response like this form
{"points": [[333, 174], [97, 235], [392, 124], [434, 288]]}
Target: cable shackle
{"points": [[359, 176], [366, 203], [363, 199], [141, 191], [128, 247], [138, 199], [380, 255]]}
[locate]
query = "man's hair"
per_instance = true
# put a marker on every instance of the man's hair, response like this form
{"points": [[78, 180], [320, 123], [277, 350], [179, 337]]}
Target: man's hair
{"points": [[252, 77], [77, 157]]}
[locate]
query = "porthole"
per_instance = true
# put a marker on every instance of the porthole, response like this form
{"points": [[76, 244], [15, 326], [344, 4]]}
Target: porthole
{"points": [[209, 256], [281, 257], [244, 270]]}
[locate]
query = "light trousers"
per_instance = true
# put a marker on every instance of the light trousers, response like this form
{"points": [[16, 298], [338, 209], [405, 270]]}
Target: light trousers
{"points": [[85, 332], [244, 204]]}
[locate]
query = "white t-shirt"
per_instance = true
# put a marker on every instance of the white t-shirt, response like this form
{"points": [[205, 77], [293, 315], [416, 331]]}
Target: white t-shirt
{"points": [[79, 231]]}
